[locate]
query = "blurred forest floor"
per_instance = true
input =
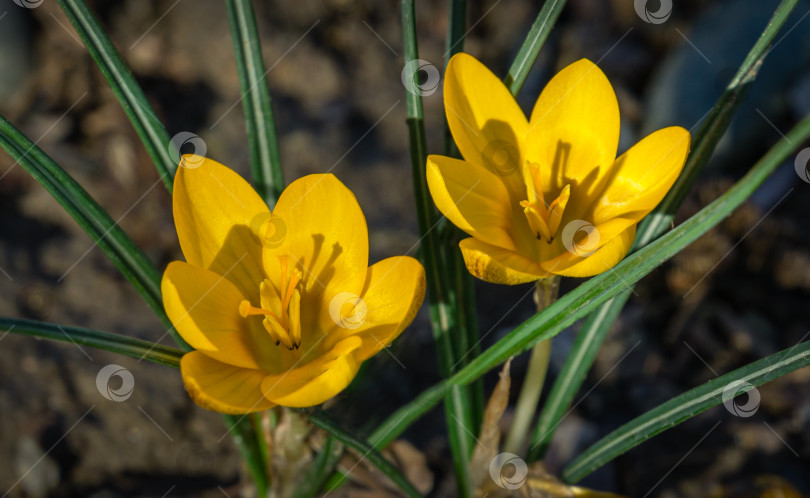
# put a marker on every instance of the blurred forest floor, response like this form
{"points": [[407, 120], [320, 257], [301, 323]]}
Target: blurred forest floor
{"points": [[737, 294]]}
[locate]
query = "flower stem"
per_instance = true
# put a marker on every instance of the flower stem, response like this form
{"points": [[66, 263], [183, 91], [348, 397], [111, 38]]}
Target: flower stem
{"points": [[545, 293], [458, 403], [264, 438]]}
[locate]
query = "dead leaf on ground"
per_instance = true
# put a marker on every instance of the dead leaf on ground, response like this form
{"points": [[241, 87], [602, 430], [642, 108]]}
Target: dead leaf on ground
{"points": [[490, 437]]}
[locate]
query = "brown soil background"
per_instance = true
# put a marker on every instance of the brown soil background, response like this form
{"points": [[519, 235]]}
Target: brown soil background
{"points": [[737, 294]]}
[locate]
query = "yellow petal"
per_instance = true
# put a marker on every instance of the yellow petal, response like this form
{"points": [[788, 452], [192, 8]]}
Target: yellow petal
{"points": [[606, 257], [316, 381], [204, 309], [213, 210], [392, 295], [498, 265], [328, 238], [222, 388], [487, 124], [574, 130], [643, 175], [471, 197]]}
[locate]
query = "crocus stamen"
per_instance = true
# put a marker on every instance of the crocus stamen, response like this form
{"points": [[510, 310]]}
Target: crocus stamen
{"points": [[556, 210], [543, 219], [284, 324], [246, 310], [536, 218]]}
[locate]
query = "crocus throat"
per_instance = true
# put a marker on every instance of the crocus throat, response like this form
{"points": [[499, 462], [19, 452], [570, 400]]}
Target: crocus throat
{"points": [[281, 306], [544, 219]]}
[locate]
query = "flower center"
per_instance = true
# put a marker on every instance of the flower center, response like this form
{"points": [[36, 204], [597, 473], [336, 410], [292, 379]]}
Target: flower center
{"points": [[544, 219], [281, 306]]}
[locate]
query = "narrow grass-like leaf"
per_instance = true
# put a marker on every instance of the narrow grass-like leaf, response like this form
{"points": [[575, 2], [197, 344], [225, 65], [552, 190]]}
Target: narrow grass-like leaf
{"points": [[455, 29], [588, 296], [320, 469], [239, 427], [259, 439], [714, 128], [129, 260], [140, 113], [453, 45], [124, 254], [243, 434], [593, 331], [105, 232], [458, 406], [573, 373], [261, 129], [107, 341], [157, 143], [685, 406], [542, 26], [365, 452], [466, 343]]}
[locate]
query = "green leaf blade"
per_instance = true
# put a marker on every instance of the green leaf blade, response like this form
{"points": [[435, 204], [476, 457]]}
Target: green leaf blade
{"points": [[659, 221], [128, 346], [685, 406], [527, 55], [322, 466], [708, 136], [576, 367], [459, 407], [589, 295], [104, 231], [264, 150], [366, 452], [151, 131]]}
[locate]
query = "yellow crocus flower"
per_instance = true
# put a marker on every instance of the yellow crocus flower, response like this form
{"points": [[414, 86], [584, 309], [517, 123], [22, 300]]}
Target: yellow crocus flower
{"points": [[281, 307], [546, 196]]}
